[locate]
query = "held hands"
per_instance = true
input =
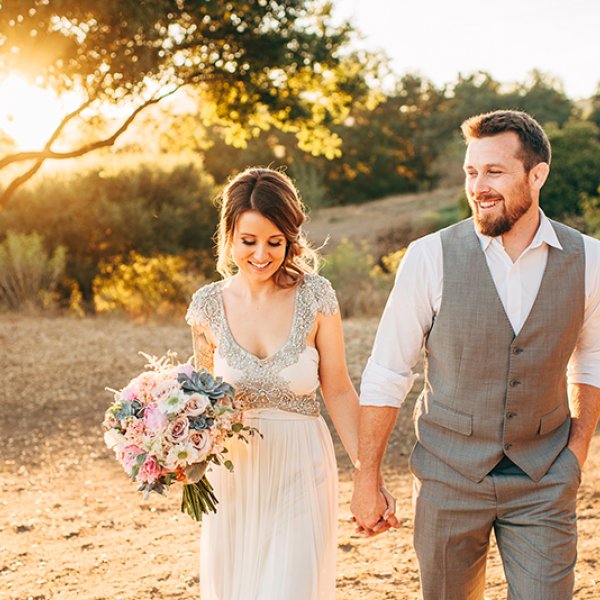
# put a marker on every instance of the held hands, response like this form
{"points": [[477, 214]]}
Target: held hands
{"points": [[373, 507]]}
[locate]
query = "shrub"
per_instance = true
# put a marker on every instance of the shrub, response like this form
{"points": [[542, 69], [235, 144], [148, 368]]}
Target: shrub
{"points": [[362, 286], [309, 181], [143, 286], [28, 274], [105, 213]]}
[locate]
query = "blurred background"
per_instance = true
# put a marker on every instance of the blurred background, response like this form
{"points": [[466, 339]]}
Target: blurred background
{"points": [[120, 122]]}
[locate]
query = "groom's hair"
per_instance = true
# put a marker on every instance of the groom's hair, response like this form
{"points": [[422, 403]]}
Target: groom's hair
{"points": [[535, 147]]}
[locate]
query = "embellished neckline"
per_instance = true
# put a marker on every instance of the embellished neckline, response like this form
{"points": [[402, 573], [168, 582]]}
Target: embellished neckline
{"points": [[236, 344]]}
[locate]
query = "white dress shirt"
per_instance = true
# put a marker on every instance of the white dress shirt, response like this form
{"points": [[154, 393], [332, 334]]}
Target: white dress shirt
{"points": [[416, 297]]}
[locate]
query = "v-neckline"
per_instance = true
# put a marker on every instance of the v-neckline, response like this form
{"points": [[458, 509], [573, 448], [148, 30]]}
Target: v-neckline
{"points": [[253, 356]]}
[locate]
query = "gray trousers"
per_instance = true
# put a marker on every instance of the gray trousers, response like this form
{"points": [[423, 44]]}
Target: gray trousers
{"points": [[534, 523]]}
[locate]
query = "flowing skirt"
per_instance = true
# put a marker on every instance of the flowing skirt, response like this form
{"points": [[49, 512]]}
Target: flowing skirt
{"points": [[274, 536]]}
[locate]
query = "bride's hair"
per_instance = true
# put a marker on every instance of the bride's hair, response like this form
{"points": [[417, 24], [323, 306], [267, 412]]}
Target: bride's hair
{"points": [[274, 196]]}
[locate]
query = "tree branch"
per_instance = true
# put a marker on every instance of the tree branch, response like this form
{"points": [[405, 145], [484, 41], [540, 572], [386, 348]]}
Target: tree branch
{"points": [[47, 153]]}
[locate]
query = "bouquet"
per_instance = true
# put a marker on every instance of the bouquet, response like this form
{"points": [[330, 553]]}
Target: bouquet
{"points": [[168, 424]]}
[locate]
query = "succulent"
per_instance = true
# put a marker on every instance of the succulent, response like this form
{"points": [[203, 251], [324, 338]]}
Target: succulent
{"points": [[203, 382]]}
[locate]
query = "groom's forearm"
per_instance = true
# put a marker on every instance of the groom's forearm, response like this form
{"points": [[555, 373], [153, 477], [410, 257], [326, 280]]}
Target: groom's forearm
{"points": [[369, 504], [584, 403], [375, 426]]}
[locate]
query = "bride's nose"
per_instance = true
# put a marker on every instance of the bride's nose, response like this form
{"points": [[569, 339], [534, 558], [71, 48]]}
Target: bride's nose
{"points": [[261, 251]]}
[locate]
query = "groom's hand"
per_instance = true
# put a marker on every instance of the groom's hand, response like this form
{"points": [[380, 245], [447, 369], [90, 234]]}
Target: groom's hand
{"points": [[372, 512]]}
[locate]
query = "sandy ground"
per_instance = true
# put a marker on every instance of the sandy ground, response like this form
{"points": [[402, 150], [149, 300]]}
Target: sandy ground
{"points": [[73, 526]]}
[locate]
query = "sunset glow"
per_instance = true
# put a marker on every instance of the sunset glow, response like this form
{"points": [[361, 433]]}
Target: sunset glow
{"points": [[29, 114]]}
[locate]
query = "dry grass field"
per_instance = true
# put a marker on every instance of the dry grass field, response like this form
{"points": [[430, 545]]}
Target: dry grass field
{"points": [[73, 526]]}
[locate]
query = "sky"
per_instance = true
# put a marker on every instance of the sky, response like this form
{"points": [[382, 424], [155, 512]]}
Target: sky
{"points": [[507, 38]]}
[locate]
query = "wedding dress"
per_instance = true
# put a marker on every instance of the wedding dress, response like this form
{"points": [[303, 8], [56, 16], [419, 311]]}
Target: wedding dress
{"points": [[274, 536]]}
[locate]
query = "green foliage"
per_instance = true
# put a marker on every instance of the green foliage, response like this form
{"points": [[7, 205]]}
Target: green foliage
{"points": [[309, 180], [144, 286], [591, 214], [408, 141], [574, 172], [362, 286], [594, 116], [250, 66], [28, 273], [541, 96], [104, 214]]}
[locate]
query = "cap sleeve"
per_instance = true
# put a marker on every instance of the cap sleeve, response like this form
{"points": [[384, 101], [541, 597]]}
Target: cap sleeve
{"points": [[204, 306], [323, 293]]}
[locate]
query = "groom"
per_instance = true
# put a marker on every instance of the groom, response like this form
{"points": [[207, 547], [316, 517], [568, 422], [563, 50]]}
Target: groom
{"points": [[507, 306]]}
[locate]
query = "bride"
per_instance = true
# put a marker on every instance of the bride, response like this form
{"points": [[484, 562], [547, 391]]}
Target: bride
{"points": [[272, 328]]}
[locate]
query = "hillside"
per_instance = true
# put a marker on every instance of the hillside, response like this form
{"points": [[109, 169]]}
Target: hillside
{"points": [[370, 220]]}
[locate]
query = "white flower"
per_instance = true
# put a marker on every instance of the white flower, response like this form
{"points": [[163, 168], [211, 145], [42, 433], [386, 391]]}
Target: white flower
{"points": [[181, 455], [114, 440], [154, 444], [172, 400]]}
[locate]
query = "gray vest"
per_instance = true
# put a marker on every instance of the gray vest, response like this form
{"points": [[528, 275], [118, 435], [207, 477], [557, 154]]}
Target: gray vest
{"points": [[489, 393]]}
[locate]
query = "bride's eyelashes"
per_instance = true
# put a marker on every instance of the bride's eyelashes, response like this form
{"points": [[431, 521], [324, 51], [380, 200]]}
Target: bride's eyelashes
{"points": [[251, 243]]}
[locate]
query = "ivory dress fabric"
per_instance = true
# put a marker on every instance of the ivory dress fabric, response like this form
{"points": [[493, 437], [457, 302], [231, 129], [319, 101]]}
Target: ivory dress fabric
{"points": [[274, 536]]}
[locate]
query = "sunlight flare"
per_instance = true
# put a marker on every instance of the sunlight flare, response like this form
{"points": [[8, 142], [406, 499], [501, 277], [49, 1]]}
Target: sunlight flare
{"points": [[29, 114]]}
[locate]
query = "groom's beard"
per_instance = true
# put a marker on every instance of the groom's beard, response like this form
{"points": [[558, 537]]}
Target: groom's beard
{"points": [[494, 225]]}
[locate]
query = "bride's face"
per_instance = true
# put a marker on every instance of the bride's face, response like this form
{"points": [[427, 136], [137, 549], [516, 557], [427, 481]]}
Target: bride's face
{"points": [[258, 246]]}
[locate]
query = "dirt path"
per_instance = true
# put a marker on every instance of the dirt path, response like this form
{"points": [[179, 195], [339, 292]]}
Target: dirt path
{"points": [[72, 526]]}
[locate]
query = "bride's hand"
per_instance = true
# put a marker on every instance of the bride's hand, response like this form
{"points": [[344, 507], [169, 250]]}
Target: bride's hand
{"points": [[390, 513]]}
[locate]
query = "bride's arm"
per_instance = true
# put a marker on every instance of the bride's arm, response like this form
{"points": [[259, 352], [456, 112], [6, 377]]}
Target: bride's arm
{"points": [[339, 395], [203, 348]]}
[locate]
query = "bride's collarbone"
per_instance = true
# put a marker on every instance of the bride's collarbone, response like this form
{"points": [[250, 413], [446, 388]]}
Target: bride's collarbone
{"points": [[261, 327]]}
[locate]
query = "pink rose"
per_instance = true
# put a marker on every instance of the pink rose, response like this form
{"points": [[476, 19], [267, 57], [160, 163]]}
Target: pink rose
{"points": [[196, 405], [178, 430], [149, 471], [129, 456], [155, 420], [201, 441]]}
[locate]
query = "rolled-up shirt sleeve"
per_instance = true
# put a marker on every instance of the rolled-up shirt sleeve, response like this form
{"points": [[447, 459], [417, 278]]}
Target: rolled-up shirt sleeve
{"points": [[406, 320], [584, 365]]}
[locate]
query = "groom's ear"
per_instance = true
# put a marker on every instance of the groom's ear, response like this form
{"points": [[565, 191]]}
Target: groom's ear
{"points": [[538, 175]]}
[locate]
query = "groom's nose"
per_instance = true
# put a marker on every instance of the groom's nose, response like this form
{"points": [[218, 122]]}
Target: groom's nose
{"points": [[480, 184]]}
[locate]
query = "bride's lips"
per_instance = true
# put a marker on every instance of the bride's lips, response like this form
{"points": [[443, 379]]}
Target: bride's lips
{"points": [[259, 266]]}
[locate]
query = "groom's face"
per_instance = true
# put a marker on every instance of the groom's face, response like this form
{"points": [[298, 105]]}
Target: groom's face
{"points": [[497, 185]]}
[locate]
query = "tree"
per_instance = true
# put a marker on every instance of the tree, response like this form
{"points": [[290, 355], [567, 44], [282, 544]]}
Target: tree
{"points": [[594, 116], [390, 148], [251, 64], [574, 172], [543, 97]]}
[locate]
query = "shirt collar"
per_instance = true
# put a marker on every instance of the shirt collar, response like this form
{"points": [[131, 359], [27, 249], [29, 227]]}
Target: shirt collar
{"points": [[545, 234]]}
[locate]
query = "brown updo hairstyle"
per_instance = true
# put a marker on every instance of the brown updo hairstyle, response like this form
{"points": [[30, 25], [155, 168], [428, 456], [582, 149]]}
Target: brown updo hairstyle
{"points": [[275, 197]]}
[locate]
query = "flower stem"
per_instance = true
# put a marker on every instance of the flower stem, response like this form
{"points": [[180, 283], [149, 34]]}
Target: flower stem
{"points": [[198, 499]]}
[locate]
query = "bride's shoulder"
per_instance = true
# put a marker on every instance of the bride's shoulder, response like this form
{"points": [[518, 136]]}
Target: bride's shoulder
{"points": [[321, 293], [204, 304]]}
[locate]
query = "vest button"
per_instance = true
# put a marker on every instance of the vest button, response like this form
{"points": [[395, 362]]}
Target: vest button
{"points": [[514, 383], [507, 446], [517, 350], [510, 415]]}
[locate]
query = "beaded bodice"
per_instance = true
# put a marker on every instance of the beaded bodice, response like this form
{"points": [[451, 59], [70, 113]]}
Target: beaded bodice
{"points": [[287, 379]]}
